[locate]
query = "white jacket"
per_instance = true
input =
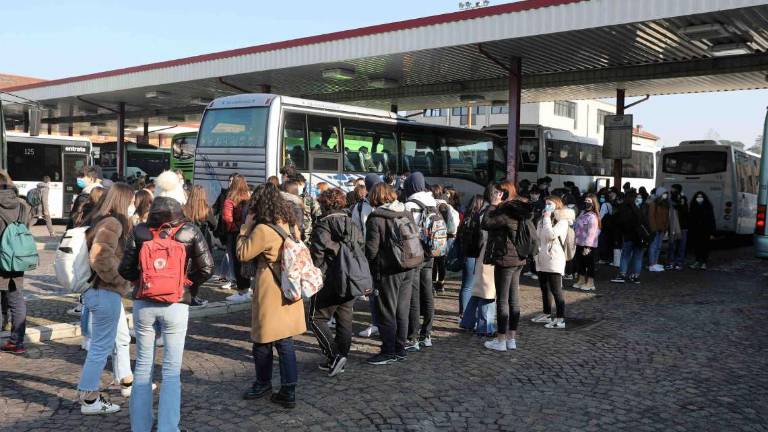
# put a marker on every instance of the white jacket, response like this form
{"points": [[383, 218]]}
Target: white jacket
{"points": [[454, 215], [551, 257], [424, 198], [360, 213]]}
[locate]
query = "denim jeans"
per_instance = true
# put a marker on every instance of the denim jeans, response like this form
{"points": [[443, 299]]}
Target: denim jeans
{"points": [[172, 322], [226, 268], [467, 279], [85, 322], [262, 359], [374, 313], [654, 250], [480, 316], [106, 311], [631, 256], [17, 307], [677, 249]]}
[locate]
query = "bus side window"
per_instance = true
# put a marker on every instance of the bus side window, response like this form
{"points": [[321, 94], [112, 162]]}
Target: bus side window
{"points": [[323, 133], [369, 147], [295, 140], [418, 151]]}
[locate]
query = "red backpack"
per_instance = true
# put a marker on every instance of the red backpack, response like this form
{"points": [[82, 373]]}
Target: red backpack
{"points": [[162, 261]]}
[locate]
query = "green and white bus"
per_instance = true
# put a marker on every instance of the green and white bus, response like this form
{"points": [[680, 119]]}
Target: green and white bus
{"points": [[183, 153]]}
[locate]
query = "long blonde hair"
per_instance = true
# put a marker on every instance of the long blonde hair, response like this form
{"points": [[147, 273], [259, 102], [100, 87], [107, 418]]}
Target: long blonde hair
{"points": [[196, 209], [238, 191]]}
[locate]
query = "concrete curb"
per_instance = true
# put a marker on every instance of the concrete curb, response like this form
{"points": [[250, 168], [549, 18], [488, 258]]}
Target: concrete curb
{"points": [[59, 331]]}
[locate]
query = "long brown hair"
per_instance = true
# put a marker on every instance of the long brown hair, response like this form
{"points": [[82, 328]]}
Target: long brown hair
{"points": [[196, 209], [595, 208], [143, 201], [238, 190], [557, 201], [270, 207], [509, 189], [115, 204]]}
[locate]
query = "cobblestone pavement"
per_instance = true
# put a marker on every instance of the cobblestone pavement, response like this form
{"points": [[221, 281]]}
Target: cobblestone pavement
{"points": [[684, 351]]}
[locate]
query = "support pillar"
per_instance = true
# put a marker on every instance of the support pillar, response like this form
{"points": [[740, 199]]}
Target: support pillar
{"points": [[146, 131], [25, 124], [393, 108], [120, 145], [618, 164], [513, 126]]}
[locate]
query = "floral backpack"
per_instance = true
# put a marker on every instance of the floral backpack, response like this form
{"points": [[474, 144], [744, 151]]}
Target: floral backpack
{"points": [[300, 278]]}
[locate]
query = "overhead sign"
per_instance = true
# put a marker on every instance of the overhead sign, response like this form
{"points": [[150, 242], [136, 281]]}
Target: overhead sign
{"points": [[617, 137]]}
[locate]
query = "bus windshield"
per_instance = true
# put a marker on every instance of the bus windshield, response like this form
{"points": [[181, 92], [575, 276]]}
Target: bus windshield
{"points": [[184, 147], [234, 127], [695, 162]]}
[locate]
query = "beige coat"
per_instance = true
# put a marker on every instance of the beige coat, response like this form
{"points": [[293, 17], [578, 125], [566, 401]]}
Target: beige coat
{"points": [[272, 317], [483, 285]]}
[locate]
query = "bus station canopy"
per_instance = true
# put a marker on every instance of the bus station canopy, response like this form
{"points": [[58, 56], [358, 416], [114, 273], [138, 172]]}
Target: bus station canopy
{"points": [[569, 49]]}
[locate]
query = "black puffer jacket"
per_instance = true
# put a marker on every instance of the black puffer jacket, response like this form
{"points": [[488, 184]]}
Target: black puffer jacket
{"points": [[328, 233], [631, 222], [168, 211], [501, 224], [377, 248]]}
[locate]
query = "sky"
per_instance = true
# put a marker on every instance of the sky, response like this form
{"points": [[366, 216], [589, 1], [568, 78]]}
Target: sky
{"points": [[55, 39]]}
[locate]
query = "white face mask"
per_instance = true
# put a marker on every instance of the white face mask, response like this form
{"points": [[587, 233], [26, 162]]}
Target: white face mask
{"points": [[131, 210], [700, 200]]}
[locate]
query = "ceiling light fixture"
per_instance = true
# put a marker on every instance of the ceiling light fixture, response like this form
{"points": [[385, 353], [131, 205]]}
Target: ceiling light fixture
{"points": [[156, 94], [201, 101], [730, 49], [471, 98], [341, 74], [383, 83], [705, 31], [98, 123]]}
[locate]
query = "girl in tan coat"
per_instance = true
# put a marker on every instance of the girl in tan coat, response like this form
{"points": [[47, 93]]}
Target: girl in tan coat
{"points": [[274, 320], [110, 227]]}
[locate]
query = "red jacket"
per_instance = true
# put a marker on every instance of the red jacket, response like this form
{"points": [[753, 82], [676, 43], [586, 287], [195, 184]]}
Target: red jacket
{"points": [[233, 218]]}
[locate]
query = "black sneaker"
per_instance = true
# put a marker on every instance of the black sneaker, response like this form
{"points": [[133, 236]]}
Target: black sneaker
{"points": [[401, 356], [635, 279], [198, 302], [324, 367], [619, 279], [258, 391], [337, 366], [412, 346], [382, 359], [286, 397]]}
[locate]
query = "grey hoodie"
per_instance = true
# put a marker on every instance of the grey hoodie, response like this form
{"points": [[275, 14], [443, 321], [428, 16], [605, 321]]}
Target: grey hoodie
{"points": [[12, 208]]}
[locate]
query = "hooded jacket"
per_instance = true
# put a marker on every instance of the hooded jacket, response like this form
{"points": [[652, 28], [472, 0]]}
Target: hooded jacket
{"points": [[168, 211], [658, 212], [329, 232], [377, 226], [501, 223], [416, 190], [11, 209], [551, 257], [300, 211]]}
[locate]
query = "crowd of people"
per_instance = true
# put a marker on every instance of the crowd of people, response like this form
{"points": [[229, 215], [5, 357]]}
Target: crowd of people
{"points": [[388, 242]]}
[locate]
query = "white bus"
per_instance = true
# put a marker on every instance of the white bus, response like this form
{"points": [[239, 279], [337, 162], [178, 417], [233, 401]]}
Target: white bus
{"points": [[563, 156], [62, 158], [727, 175], [256, 134], [139, 159]]}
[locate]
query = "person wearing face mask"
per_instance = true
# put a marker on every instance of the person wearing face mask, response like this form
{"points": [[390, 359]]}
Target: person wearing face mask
{"points": [[679, 215], [504, 215], [538, 208], [605, 240], [633, 226], [658, 220], [701, 228], [90, 179], [587, 230], [551, 232]]}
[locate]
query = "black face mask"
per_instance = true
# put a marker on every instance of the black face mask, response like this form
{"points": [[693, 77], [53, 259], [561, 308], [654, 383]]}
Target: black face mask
{"points": [[588, 206]]}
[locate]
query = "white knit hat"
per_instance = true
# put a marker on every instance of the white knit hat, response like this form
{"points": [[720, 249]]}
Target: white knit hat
{"points": [[168, 185]]}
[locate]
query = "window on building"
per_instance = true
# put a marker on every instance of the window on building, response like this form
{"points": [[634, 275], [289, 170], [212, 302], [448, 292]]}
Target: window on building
{"points": [[435, 112], [565, 109], [601, 118], [500, 109]]}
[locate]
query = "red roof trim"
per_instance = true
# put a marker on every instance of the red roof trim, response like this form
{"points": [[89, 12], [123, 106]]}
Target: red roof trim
{"points": [[643, 134], [329, 37]]}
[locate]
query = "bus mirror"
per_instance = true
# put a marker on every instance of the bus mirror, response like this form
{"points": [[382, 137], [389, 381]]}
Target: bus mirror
{"points": [[35, 117]]}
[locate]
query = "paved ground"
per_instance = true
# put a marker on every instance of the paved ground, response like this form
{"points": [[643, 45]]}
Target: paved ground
{"points": [[684, 351]]}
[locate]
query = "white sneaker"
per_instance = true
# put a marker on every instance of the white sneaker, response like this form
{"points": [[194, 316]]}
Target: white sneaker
{"points": [[370, 331], [126, 391], [427, 342], [76, 311], [239, 298], [540, 318], [332, 323], [558, 323], [228, 285], [495, 345], [535, 277], [528, 274], [511, 344], [654, 268], [98, 407]]}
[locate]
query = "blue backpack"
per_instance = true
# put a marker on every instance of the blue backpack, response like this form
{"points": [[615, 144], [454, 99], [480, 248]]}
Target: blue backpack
{"points": [[18, 251]]}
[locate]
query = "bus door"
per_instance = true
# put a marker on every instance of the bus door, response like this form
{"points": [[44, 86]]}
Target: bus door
{"points": [[72, 165]]}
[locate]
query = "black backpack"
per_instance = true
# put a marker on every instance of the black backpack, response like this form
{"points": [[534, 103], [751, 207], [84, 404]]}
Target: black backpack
{"points": [[525, 241], [350, 275], [471, 235], [404, 243]]}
